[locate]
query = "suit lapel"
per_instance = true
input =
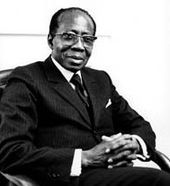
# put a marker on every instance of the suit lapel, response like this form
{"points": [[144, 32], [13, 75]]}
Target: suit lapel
{"points": [[64, 89]]}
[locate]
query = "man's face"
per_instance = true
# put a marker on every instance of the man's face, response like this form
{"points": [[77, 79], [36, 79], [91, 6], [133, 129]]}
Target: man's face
{"points": [[73, 55]]}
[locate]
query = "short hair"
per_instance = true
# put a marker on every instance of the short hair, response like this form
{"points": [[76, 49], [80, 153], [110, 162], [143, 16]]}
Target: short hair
{"points": [[54, 24]]}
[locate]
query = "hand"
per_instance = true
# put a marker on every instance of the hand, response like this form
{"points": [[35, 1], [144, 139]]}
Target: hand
{"points": [[123, 151], [123, 142], [117, 151], [96, 156]]}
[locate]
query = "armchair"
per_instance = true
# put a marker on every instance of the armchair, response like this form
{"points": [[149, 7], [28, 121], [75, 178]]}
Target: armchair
{"points": [[7, 180]]}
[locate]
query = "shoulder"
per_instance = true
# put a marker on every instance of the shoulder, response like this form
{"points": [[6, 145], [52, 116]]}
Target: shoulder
{"points": [[29, 71], [100, 77], [97, 74], [28, 75]]}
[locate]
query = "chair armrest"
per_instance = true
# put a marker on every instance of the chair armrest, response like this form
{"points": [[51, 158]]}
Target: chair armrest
{"points": [[162, 160], [18, 180], [4, 74]]}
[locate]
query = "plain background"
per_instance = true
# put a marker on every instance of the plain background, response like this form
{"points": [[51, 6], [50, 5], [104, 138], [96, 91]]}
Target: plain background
{"points": [[133, 46]]}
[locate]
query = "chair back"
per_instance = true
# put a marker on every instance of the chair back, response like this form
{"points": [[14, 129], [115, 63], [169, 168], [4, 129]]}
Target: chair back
{"points": [[4, 74]]}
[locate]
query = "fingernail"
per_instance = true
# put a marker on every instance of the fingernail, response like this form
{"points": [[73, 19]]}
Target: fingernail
{"points": [[107, 150], [118, 135], [110, 167], [106, 138], [110, 160]]}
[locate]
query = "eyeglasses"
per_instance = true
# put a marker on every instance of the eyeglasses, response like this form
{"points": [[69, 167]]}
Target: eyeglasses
{"points": [[71, 38]]}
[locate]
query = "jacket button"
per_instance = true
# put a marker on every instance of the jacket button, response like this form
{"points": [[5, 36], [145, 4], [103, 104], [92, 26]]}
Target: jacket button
{"points": [[54, 176], [58, 175]]}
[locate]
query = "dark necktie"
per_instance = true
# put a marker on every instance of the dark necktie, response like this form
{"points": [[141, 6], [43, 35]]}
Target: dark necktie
{"points": [[79, 88]]}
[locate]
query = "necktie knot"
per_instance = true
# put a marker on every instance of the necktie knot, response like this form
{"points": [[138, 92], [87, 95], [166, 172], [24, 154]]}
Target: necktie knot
{"points": [[77, 82]]}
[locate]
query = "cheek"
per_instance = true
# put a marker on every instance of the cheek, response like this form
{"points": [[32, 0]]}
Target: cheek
{"points": [[59, 50], [88, 52], [57, 45]]}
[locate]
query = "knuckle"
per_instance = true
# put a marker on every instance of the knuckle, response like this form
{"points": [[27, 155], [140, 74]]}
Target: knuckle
{"points": [[126, 153]]}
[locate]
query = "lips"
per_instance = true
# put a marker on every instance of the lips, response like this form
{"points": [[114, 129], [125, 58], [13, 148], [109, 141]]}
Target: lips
{"points": [[76, 57]]}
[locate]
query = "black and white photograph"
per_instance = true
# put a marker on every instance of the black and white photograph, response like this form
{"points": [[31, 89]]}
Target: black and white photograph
{"points": [[84, 93]]}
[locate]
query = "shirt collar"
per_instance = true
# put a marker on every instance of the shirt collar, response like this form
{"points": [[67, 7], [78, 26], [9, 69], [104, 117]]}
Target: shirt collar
{"points": [[66, 73]]}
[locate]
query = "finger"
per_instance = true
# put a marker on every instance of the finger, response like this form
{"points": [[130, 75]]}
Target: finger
{"points": [[123, 164], [130, 164], [119, 156], [115, 136], [131, 145], [118, 136], [132, 157], [119, 164], [110, 138], [121, 149], [118, 143], [106, 138], [127, 136]]}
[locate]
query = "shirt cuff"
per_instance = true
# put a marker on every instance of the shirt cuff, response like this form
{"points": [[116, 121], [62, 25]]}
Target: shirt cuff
{"points": [[144, 156], [76, 164]]}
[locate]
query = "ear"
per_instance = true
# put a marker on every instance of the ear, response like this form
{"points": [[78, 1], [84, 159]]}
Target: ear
{"points": [[50, 41]]}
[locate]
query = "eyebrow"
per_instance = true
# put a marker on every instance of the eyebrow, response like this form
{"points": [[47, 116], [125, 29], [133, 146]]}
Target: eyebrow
{"points": [[76, 32]]}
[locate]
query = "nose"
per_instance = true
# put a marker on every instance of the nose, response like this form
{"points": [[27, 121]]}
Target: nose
{"points": [[78, 45]]}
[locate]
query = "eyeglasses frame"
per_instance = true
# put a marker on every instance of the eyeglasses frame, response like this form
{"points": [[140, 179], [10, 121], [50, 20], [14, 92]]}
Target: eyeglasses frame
{"points": [[80, 36]]}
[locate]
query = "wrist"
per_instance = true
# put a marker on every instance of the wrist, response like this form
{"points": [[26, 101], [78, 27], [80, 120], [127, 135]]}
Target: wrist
{"points": [[138, 150], [85, 158]]}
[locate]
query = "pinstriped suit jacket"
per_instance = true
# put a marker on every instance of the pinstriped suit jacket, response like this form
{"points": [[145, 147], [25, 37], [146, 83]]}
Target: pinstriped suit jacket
{"points": [[43, 120]]}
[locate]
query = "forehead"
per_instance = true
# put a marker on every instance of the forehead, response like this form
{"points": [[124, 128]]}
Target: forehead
{"points": [[76, 21]]}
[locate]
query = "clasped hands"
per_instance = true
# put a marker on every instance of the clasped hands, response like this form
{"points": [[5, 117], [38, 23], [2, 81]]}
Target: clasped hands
{"points": [[113, 151]]}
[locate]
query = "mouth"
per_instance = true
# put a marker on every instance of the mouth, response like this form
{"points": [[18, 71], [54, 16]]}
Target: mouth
{"points": [[76, 57]]}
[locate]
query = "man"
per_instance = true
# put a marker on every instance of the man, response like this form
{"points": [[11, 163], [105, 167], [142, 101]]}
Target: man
{"points": [[64, 124]]}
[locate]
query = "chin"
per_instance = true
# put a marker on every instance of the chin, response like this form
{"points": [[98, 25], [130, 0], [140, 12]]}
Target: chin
{"points": [[75, 69], [76, 66]]}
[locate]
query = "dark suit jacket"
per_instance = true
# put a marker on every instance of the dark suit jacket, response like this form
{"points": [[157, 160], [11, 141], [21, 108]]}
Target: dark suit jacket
{"points": [[43, 120]]}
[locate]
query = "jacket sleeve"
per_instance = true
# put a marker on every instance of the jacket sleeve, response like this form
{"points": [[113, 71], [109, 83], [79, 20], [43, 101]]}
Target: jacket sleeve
{"points": [[130, 122], [18, 153]]}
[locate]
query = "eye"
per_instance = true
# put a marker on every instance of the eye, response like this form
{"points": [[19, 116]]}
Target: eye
{"points": [[68, 36], [89, 39]]}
